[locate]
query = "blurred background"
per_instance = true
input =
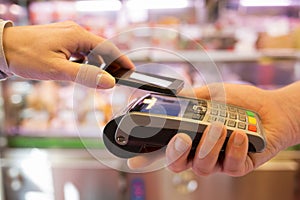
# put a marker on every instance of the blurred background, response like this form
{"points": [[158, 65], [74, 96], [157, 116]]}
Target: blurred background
{"points": [[44, 158]]}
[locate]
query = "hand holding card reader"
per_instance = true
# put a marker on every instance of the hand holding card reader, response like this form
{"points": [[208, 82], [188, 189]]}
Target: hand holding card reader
{"points": [[149, 123]]}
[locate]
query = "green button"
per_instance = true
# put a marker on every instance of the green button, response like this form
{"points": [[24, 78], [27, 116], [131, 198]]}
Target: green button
{"points": [[249, 113]]}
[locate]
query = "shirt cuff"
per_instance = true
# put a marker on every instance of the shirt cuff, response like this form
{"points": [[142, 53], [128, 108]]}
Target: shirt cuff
{"points": [[4, 70]]}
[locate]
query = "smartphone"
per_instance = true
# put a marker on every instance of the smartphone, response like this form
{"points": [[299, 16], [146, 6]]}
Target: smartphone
{"points": [[145, 81], [149, 123]]}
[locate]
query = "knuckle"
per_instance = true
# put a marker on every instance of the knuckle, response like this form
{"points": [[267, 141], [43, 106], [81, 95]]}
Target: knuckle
{"points": [[53, 72], [73, 26], [200, 171], [231, 171], [176, 167], [234, 170], [70, 23]]}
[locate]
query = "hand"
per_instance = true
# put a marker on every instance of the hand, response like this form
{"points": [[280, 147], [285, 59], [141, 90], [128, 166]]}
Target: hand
{"points": [[42, 52], [279, 121], [278, 110]]}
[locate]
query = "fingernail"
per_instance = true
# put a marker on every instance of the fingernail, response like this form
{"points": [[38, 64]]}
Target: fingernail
{"points": [[105, 81], [238, 139], [211, 139], [180, 145]]}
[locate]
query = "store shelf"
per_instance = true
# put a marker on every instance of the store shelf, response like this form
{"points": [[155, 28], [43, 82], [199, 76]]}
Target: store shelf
{"points": [[77, 158], [84, 158], [54, 142], [216, 56]]}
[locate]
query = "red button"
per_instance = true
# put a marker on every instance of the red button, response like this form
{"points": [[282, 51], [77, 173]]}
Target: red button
{"points": [[252, 128]]}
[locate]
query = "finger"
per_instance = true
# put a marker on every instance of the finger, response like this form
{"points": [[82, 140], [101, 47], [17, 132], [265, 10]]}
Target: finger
{"points": [[112, 55], [202, 92], [207, 154], [210, 139], [187, 93], [215, 92], [140, 162], [236, 154], [177, 152], [91, 43], [94, 77], [87, 75]]}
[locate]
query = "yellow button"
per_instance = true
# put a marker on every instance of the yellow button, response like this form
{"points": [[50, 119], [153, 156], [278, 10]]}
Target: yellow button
{"points": [[251, 120]]}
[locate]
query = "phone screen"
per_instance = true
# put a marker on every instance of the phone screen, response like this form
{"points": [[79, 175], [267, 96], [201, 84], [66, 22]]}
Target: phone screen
{"points": [[171, 106], [150, 79]]}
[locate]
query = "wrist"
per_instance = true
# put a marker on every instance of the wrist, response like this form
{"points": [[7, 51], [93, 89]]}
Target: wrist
{"points": [[288, 99], [5, 72]]}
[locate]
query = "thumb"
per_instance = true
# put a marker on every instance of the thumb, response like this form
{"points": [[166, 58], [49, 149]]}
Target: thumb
{"points": [[94, 77], [213, 91]]}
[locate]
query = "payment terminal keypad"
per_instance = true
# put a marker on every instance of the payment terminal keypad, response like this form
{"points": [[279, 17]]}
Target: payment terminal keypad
{"points": [[231, 116]]}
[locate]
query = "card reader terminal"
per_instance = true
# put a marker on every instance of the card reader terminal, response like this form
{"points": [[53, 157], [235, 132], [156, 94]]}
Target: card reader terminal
{"points": [[149, 123]]}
